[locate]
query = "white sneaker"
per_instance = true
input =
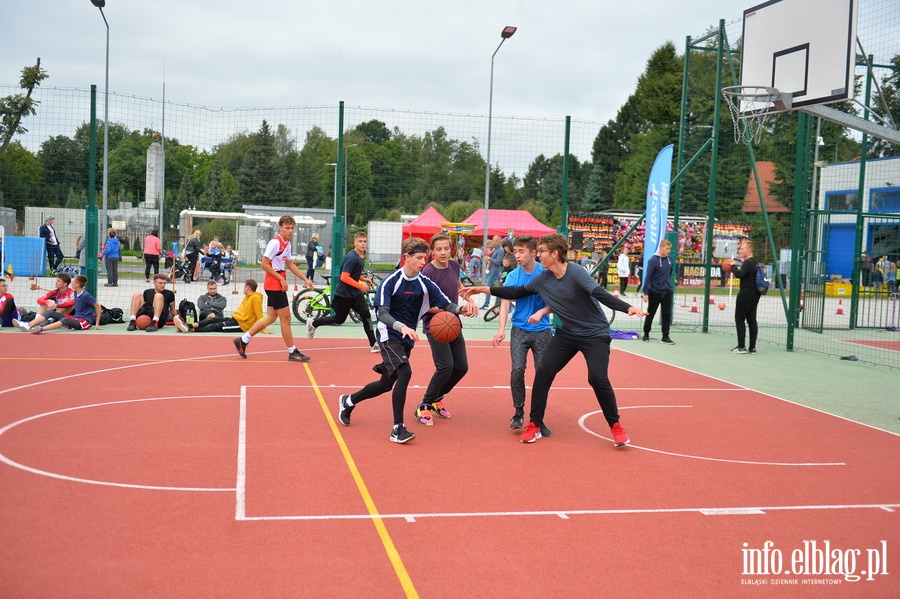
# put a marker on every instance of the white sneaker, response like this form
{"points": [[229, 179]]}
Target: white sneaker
{"points": [[310, 328], [376, 348], [23, 326], [180, 324]]}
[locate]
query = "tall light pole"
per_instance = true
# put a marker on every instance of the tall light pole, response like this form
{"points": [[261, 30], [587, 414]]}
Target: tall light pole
{"points": [[346, 156], [505, 35], [103, 220]]}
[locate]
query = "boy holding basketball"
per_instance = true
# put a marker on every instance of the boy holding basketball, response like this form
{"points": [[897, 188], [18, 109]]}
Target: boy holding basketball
{"points": [[575, 298], [154, 303], [276, 260], [450, 361], [402, 298]]}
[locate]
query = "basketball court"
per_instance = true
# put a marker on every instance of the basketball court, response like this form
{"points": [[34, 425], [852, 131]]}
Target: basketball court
{"points": [[198, 470]]}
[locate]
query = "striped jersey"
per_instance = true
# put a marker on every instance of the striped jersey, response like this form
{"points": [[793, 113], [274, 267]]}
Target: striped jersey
{"points": [[408, 299]]}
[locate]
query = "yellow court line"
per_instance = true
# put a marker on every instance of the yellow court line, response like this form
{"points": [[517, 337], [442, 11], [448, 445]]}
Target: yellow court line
{"points": [[405, 581]]}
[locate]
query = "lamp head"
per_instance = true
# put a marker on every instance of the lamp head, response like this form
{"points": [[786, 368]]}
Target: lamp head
{"points": [[507, 32], [99, 3]]}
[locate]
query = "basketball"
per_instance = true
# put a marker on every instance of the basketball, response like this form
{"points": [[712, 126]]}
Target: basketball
{"points": [[726, 265], [143, 321], [445, 326], [722, 306]]}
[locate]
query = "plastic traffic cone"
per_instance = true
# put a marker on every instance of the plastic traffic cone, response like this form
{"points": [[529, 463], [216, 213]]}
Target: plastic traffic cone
{"points": [[296, 288], [694, 306], [840, 310], [712, 298]]}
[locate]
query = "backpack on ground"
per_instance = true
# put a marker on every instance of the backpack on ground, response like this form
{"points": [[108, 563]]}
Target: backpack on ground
{"points": [[187, 310], [111, 315], [762, 280]]}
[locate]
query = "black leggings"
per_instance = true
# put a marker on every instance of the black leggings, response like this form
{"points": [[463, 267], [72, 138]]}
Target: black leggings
{"points": [[399, 380], [151, 260], [745, 310], [342, 306], [450, 365], [655, 300], [561, 350]]}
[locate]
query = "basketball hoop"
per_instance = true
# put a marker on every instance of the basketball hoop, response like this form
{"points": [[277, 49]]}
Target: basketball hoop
{"points": [[752, 105]]}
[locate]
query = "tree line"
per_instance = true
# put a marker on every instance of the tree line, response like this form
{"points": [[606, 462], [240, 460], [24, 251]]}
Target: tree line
{"points": [[391, 172]]}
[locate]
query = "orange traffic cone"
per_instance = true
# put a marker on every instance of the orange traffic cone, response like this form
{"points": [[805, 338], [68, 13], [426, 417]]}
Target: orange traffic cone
{"points": [[694, 306], [616, 293], [840, 310], [296, 288], [712, 298]]}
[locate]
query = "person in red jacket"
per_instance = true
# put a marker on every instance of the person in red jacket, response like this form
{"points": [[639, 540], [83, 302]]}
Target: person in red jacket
{"points": [[61, 299]]}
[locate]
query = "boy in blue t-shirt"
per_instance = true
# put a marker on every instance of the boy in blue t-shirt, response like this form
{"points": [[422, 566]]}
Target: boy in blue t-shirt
{"points": [[86, 313], [525, 334]]}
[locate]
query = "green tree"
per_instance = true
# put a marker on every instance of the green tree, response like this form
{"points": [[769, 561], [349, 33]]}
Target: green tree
{"points": [[15, 107], [20, 171], [890, 87]]}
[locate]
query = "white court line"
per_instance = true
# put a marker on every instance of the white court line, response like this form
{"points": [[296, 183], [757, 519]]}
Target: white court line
{"points": [[566, 514], [89, 481], [240, 504], [586, 429]]}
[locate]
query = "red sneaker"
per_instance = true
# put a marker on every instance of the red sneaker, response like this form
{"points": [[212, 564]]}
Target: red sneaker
{"points": [[620, 437], [532, 433]]}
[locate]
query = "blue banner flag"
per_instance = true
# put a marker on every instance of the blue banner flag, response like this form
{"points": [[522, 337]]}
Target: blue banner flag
{"points": [[657, 203]]}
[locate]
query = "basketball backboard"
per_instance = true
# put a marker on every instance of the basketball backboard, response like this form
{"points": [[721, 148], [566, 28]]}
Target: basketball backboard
{"points": [[805, 48]]}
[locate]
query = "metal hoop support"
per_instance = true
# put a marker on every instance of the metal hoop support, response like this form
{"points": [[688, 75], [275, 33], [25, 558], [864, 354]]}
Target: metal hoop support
{"points": [[752, 105]]}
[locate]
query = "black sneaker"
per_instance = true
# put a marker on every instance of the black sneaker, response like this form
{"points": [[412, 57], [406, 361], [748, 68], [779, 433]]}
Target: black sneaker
{"points": [[667, 341], [151, 329], [646, 338], [545, 432], [344, 410], [739, 350], [296, 356], [517, 421], [399, 434], [241, 347], [132, 326], [752, 351]]}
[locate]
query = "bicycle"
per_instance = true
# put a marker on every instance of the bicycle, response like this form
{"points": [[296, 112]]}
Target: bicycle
{"points": [[316, 303]]}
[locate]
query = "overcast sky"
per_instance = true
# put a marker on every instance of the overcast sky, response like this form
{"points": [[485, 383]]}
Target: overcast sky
{"points": [[572, 57]]}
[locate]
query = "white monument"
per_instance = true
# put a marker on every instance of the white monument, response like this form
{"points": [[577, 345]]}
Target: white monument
{"points": [[155, 173]]}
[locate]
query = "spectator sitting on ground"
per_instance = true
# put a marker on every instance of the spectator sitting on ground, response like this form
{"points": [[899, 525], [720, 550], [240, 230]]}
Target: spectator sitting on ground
{"points": [[86, 313], [211, 303], [154, 303], [61, 299], [243, 318], [8, 310]]}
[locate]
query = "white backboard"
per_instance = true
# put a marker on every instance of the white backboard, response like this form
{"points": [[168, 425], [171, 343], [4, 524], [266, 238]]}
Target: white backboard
{"points": [[802, 47]]}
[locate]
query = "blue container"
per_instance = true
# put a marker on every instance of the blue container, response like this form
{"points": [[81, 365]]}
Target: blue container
{"points": [[28, 256]]}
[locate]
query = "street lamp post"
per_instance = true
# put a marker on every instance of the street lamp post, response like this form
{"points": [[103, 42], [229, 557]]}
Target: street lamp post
{"points": [[346, 156], [104, 222], [505, 35]]}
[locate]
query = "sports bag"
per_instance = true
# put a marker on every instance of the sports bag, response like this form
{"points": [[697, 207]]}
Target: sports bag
{"points": [[762, 280]]}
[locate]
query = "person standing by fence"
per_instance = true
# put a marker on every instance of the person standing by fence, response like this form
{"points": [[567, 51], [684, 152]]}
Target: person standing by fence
{"points": [[112, 254], [657, 288], [152, 250]]}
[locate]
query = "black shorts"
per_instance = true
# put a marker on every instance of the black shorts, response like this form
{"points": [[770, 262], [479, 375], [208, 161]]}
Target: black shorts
{"points": [[147, 310], [277, 299], [394, 353]]}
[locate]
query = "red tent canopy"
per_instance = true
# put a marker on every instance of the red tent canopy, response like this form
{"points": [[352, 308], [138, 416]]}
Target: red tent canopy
{"points": [[425, 225], [500, 221]]}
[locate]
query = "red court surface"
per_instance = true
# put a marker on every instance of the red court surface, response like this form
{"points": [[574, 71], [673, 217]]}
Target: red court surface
{"points": [[167, 466], [892, 345]]}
